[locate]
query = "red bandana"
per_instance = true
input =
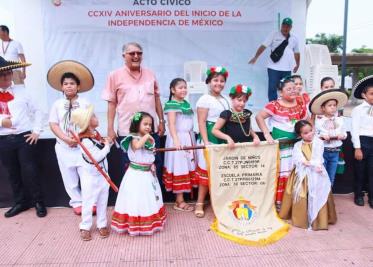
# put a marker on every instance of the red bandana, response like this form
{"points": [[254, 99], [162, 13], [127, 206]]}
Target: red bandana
{"points": [[5, 97]]}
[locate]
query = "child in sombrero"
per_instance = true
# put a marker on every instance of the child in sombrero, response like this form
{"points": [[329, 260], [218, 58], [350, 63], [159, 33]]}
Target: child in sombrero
{"points": [[95, 190], [329, 127], [70, 77], [362, 139]]}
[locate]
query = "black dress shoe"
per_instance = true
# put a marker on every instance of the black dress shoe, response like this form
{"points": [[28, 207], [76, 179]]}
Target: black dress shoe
{"points": [[41, 211], [15, 210], [370, 201], [359, 201]]}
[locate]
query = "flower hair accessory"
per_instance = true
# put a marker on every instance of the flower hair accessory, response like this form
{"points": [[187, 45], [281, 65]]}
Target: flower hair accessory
{"points": [[137, 116], [219, 70], [240, 89]]}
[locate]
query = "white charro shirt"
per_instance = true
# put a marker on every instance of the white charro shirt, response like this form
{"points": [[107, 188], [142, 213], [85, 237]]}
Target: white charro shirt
{"points": [[98, 154], [332, 127], [362, 123], [287, 61], [26, 115], [59, 114], [11, 50]]}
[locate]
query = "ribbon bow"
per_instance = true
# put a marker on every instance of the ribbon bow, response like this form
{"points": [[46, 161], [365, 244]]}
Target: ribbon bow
{"points": [[137, 116], [6, 96]]}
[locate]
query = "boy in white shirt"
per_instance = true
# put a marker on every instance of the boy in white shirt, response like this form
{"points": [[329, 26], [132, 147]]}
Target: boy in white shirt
{"points": [[329, 127], [362, 139], [71, 78], [18, 138], [94, 187]]}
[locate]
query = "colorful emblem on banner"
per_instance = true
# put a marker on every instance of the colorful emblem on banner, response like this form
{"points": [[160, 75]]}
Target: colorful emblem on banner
{"points": [[243, 209], [57, 2]]}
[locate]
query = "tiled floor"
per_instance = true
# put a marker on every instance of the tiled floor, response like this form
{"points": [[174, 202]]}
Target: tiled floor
{"points": [[26, 240]]}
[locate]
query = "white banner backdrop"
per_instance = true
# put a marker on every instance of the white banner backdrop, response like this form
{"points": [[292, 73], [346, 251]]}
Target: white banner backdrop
{"points": [[171, 32]]}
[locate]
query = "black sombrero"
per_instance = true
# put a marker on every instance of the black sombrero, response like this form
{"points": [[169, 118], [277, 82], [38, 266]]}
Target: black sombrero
{"points": [[361, 85], [11, 65], [78, 69], [338, 94]]}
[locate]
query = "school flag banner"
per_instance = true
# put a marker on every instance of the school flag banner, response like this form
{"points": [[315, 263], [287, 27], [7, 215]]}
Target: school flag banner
{"points": [[242, 190]]}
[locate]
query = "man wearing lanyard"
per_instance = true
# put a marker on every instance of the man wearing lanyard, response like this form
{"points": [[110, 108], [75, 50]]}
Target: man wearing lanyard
{"points": [[18, 137], [130, 89]]}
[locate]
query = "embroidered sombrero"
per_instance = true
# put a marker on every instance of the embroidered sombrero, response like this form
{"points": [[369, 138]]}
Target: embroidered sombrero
{"points": [[338, 94], [81, 117], [78, 69], [11, 65], [361, 85]]}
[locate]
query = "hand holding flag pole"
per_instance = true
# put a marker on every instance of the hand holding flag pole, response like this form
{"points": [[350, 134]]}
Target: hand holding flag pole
{"points": [[98, 167]]}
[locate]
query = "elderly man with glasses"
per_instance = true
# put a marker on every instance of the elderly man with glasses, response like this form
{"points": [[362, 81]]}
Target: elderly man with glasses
{"points": [[130, 89]]}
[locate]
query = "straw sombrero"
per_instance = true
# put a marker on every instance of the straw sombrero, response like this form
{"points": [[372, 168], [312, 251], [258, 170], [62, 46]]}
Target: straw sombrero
{"points": [[11, 65], [81, 117], [338, 94], [361, 85], [78, 69]]}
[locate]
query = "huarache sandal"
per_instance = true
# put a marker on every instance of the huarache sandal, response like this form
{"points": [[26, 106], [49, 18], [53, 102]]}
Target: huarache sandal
{"points": [[199, 211], [104, 232], [85, 235], [183, 206]]}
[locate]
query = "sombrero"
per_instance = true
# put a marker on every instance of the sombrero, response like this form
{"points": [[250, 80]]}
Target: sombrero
{"points": [[81, 117], [338, 94], [78, 69], [11, 65], [361, 85]]}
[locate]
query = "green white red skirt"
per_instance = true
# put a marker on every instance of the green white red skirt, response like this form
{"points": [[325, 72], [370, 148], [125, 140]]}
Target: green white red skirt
{"points": [[286, 163]]}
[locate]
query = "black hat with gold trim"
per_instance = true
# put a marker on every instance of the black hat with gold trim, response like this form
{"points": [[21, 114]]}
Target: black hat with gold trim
{"points": [[6, 65], [361, 86]]}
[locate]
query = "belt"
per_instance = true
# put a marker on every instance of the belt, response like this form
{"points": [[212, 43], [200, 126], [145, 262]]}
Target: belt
{"points": [[140, 167], [332, 149], [12, 136]]}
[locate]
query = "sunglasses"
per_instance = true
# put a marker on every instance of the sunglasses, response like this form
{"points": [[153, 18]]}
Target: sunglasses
{"points": [[132, 54]]}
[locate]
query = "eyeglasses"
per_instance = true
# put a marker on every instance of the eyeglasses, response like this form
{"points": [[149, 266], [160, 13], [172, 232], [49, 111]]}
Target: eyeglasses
{"points": [[132, 54]]}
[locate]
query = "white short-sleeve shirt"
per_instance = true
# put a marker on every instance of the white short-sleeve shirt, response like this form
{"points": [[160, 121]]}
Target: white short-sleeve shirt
{"points": [[11, 50], [59, 110], [287, 61], [215, 105]]}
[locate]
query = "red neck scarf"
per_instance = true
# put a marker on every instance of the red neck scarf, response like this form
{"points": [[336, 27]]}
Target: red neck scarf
{"points": [[5, 97]]}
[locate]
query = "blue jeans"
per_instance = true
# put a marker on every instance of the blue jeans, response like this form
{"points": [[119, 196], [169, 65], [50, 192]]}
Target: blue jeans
{"points": [[124, 160], [330, 163], [274, 76]]}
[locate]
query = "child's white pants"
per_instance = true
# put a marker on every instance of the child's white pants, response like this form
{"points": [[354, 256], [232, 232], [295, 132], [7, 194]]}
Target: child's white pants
{"points": [[68, 159], [95, 190]]}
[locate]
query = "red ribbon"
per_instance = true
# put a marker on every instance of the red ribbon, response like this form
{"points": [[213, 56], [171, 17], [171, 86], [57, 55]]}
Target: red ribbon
{"points": [[6, 97]]}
